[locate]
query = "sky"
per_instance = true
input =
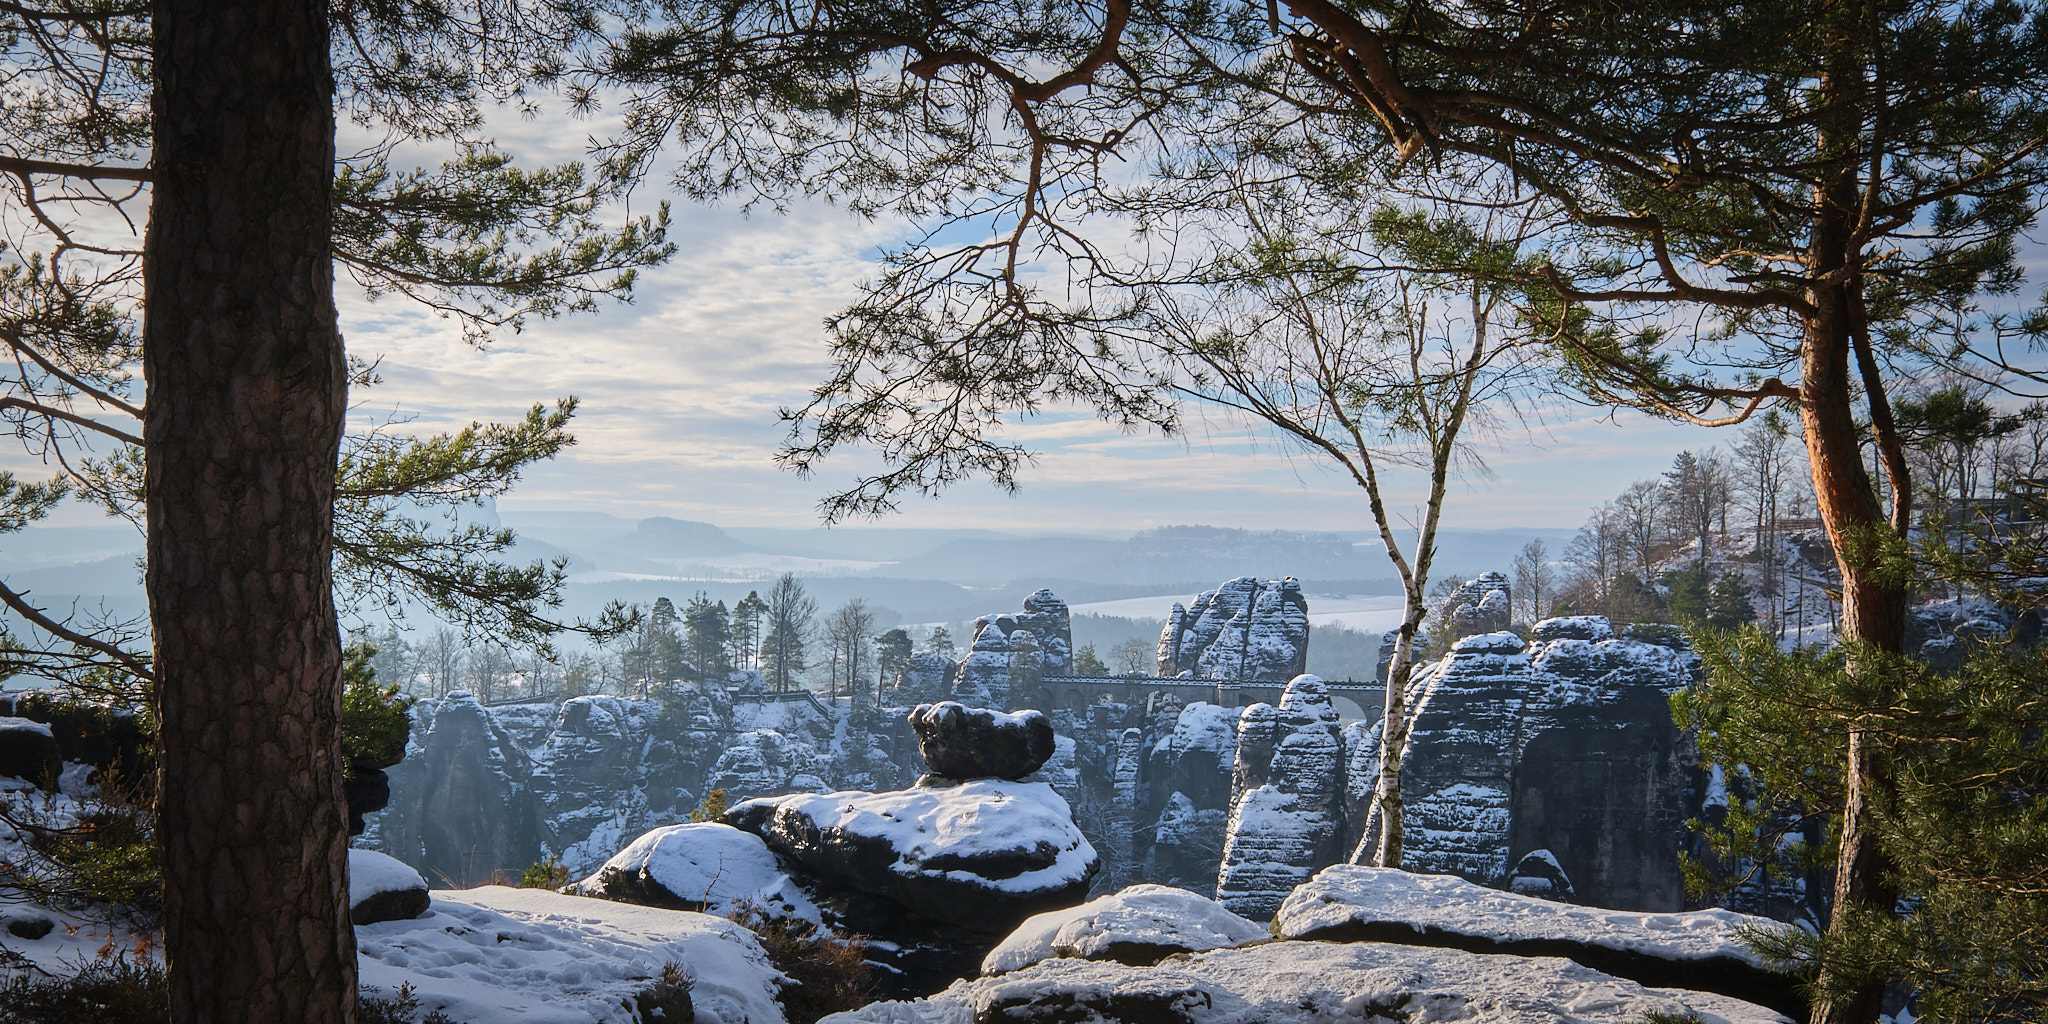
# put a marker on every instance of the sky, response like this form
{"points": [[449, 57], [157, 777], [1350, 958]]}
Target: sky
{"points": [[680, 392]]}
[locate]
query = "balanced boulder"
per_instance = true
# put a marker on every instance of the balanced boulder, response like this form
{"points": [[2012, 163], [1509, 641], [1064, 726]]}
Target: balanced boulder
{"points": [[960, 742]]}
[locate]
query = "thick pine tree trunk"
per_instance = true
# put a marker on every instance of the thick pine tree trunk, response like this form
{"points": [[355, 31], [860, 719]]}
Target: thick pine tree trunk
{"points": [[246, 394], [1873, 609]]}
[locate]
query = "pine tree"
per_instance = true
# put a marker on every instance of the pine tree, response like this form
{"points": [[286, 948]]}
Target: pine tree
{"points": [[707, 634], [1087, 663]]}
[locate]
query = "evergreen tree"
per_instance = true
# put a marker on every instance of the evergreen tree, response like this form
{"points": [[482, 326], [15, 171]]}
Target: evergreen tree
{"points": [[1687, 593], [707, 634], [1730, 606], [940, 642], [746, 630], [1964, 832], [1087, 663], [892, 653]]}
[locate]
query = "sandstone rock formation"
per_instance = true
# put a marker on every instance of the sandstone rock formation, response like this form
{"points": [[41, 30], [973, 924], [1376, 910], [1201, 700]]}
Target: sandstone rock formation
{"points": [[1312, 981], [1564, 745], [1138, 925], [707, 866], [972, 743], [1702, 950], [1243, 629], [980, 855], [1287, 806], [1011, 650], [1188, 773], [1483, 604], [382, 888]]}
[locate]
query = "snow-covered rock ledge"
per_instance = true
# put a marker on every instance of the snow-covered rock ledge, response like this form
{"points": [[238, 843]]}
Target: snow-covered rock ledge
{"points": [[1309, 982], [1700, 949], [982, 855], [499, 954]]}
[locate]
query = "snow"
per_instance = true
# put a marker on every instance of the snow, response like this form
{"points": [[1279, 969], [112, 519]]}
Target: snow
{"points": [[1349, 893], [709, 863], [8, 724], [982, 817], [1204, 726], [1145, 915], [942, 713], [532, 956], [1313, 983], [370, 873]]}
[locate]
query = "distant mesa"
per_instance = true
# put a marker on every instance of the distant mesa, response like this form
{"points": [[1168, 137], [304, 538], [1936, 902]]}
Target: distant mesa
{"points": [[663, 537]]}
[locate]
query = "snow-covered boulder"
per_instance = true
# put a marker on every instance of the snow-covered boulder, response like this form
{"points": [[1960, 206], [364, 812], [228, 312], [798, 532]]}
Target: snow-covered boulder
{"points": [[1701, 949], [960, 742], [1138, 926], [1539, 874], [537, 957], [1309, 982], [382, 888], [28, 750], [981, 855], [698, 866]]}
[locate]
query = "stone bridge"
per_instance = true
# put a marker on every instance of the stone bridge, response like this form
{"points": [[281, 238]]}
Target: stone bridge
{"points": [[1355, 699]]}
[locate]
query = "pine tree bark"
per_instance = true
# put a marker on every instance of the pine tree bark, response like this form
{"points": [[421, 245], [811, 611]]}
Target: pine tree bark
{"points": [[246, 397], [1873, 606]]}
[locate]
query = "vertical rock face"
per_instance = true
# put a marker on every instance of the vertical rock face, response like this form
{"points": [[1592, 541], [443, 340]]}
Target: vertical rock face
{"points": [[1011, 651], [1565, 745], [982, 679], [1046, 616], [1048, 633], [1605, 781], [461, 803], [1188, 773], [1460, 764], [487, 788], [1243, 629], [926, 677], [1287, 805]]}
